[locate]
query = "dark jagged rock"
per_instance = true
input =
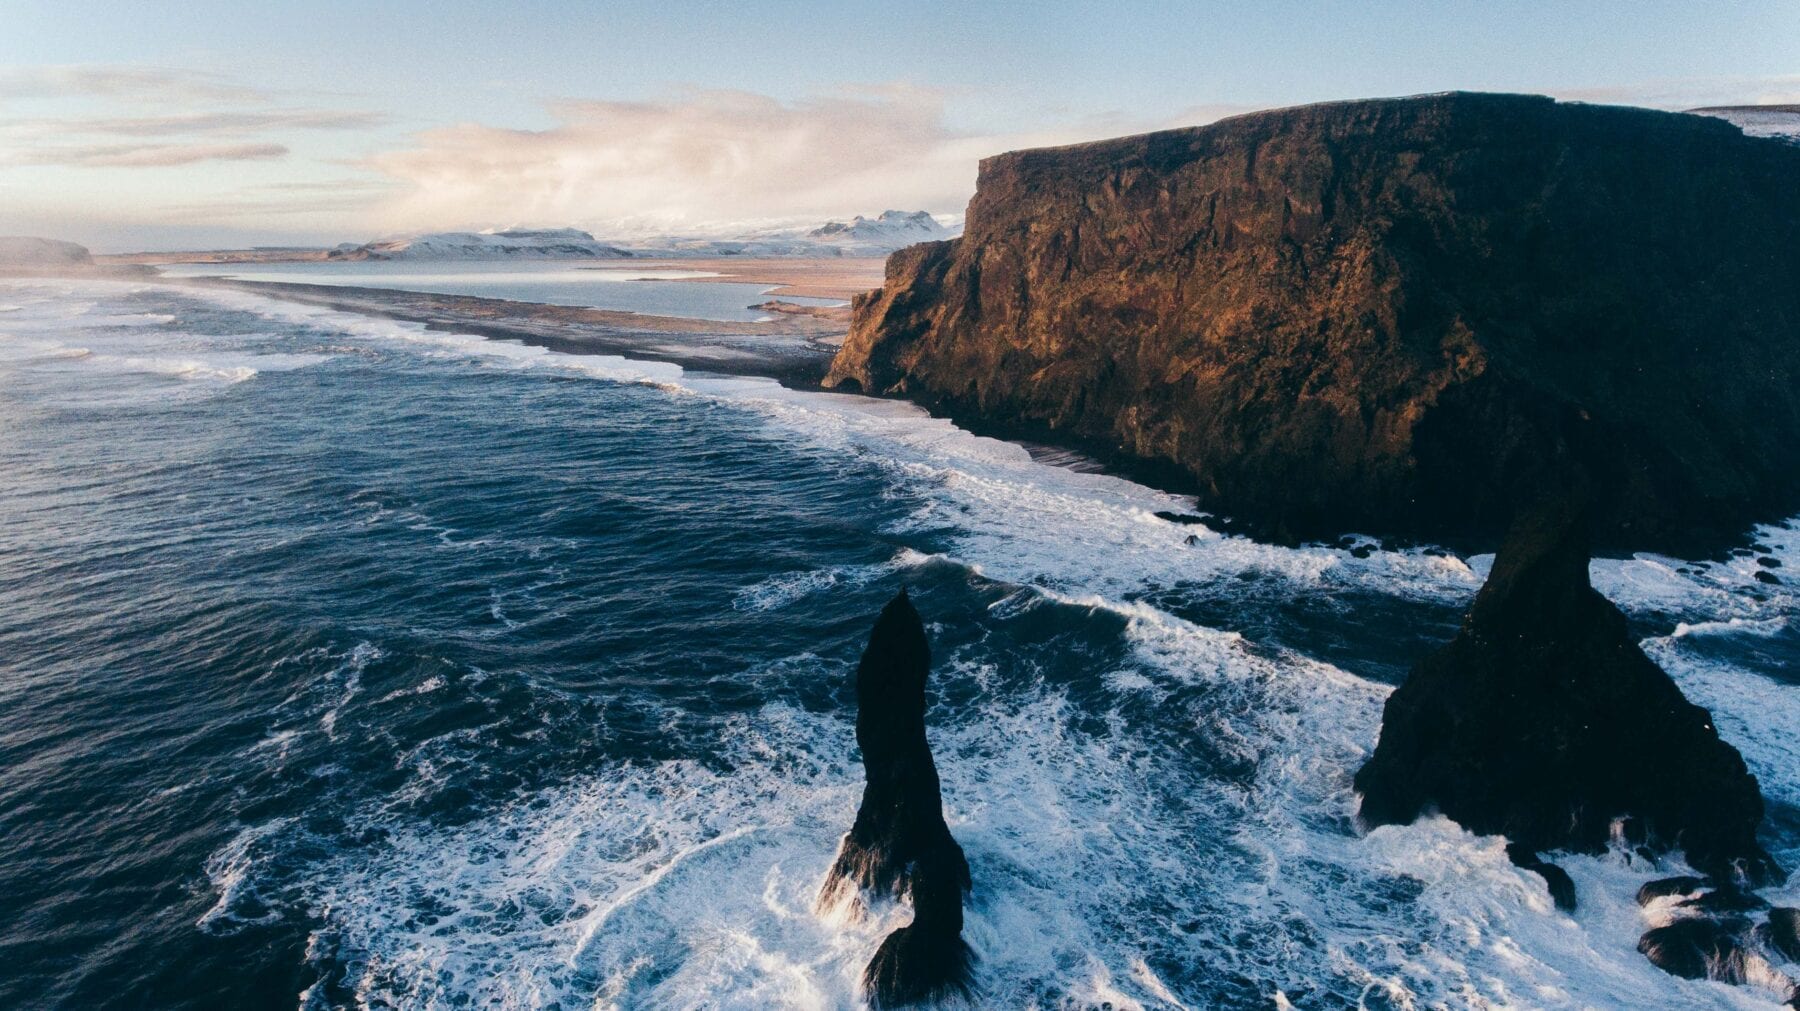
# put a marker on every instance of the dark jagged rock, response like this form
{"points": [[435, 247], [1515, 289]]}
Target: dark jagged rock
{"points": [[1699, 948], [1782, 932], [1562, 887], [1543, 721], [1662, 888], [1386, 316], [899, 845], [1728, 899], [927, 959]]}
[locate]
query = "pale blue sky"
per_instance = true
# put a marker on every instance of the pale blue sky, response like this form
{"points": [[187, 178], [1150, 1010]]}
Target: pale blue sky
{"points": [[206, 122]]}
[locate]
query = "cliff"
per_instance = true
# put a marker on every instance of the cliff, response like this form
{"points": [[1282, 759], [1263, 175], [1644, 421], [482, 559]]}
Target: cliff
{"points": [[25, 251], [1401, 316]]}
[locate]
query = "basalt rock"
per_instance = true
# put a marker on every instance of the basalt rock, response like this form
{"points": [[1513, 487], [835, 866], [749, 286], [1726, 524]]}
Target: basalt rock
{"points": [[1662, 888], [1782, 932], [1562, 887], [899, 845], [1544, 722], [1391, 317], [927, 959], [1699, 948]]}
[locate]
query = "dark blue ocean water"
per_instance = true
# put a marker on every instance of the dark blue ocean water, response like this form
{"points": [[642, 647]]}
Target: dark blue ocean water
{"points": [[343, 664]]}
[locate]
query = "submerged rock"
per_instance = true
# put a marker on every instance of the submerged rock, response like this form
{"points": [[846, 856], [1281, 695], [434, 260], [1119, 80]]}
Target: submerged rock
{"points": [[1661, 888], [1727, 899], [899, 845], [1562, 887], [1782, 932], [1699, 948], [1543, 721]]}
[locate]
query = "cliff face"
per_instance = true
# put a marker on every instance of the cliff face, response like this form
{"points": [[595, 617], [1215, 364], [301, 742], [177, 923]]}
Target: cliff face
{"points": [[26, 251], [1398, 316]]}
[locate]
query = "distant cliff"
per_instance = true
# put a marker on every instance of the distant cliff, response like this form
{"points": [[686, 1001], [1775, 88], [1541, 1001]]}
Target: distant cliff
{"points": [[24, 251], [1399, 316]]}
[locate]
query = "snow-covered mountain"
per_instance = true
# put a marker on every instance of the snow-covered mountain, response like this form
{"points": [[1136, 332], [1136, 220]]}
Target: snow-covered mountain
{"points": [[509, 244], [891, 229], [859, 236]]}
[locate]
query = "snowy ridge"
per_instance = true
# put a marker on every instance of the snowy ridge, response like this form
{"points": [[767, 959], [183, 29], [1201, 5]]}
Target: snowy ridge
{"points": [[859, 236], [507, 244]]}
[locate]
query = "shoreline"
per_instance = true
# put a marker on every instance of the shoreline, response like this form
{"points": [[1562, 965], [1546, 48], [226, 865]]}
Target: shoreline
{"points": [[793, 348], [838, 278]]}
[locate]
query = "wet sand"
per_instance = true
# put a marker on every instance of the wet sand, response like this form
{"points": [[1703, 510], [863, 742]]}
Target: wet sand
{"points": [[823, 277], [793, 347], [838, 277]]}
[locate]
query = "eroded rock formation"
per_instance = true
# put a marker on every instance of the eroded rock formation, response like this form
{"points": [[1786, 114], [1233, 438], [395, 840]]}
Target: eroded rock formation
{"points": [[1703, 929], [1389, 317], [899, 845], [1543, 721]]}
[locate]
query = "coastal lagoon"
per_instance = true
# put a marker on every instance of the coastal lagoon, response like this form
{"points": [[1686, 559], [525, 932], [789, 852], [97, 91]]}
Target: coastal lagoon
{"points": [[655, 291], [346, 662]]}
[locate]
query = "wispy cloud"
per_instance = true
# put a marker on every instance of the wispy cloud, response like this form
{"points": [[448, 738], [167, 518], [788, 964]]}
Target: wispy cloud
{"points": [[138, 117], [124, 83], [284, 200], [200, 123], [703, 158], [145, 155]]}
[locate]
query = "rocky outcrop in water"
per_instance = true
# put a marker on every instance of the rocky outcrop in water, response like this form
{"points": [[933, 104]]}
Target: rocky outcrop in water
{"points": [[1702, 929], [1562, 887], [899, 845], [1392, 317], [1543, 721]]}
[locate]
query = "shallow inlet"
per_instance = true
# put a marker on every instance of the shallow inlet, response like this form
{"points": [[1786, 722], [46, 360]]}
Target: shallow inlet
{"points": [[658, 291]]}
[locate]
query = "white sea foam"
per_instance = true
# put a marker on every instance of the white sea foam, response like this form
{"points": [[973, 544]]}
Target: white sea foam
{"points": [[74, 327], [229, 871], [674, 885]]}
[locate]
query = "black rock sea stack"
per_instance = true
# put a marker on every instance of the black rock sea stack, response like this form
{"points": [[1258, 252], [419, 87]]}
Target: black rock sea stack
{"points": [[1543, 721], [899, 845]]}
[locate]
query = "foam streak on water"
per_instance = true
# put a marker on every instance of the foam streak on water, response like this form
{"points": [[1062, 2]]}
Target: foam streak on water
{"points": [[530, 690]]}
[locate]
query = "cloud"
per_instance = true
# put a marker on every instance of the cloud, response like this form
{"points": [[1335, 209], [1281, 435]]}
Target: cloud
{"points": [[699, 160], [203, 123], [352, 197], [146, 155], [197, 117], [123, 82]]}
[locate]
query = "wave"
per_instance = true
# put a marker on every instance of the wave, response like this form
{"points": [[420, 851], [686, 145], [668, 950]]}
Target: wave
{"points": [[1187, 830]]}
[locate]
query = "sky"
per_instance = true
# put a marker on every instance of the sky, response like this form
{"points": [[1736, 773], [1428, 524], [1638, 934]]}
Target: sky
{"points": [[199, 124]]}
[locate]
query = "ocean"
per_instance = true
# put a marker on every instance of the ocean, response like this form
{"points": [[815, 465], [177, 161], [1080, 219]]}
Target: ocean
{"points": [[346, 664]]}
